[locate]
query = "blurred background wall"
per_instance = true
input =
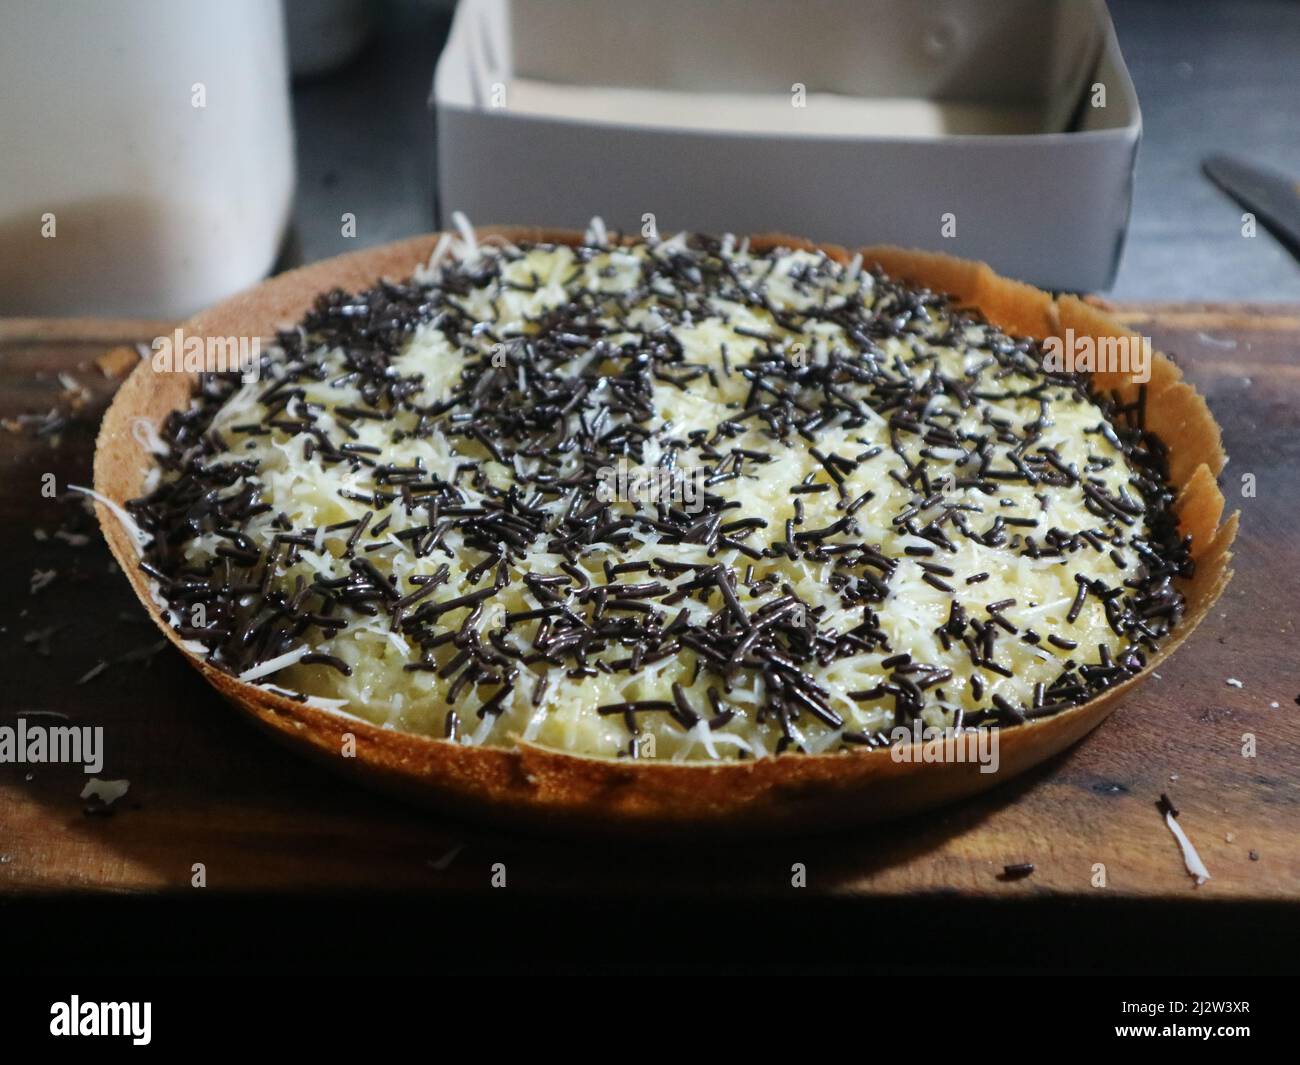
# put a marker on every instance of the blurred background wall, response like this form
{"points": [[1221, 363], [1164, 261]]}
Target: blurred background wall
{"points": [[353, 138]]}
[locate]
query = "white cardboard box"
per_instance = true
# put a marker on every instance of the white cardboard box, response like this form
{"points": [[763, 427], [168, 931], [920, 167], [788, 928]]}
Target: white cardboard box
{"points": [[829, 119]]}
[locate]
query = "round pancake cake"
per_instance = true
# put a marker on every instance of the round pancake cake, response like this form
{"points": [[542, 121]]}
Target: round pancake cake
{"points": [[679, 500]]}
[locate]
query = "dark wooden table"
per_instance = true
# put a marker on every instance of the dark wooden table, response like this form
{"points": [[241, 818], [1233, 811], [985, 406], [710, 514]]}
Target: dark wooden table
{"points": [[205, 788]]}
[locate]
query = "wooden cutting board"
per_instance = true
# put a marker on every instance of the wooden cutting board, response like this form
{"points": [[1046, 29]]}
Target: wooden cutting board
{"points": [[205, 788]]}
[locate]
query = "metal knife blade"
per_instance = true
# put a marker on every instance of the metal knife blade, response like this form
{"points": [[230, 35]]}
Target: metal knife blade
{"points": [[1273, 197]]}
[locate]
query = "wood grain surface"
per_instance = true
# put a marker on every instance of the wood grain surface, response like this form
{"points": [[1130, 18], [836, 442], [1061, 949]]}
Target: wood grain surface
{"points": [[205, 788]]}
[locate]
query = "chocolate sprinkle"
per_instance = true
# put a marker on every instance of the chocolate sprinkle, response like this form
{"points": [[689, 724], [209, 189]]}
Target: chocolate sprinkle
{"points": [[542, 407]]}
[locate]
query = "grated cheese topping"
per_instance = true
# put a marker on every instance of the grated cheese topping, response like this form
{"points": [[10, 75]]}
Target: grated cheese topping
{"points": [[673, 499]]}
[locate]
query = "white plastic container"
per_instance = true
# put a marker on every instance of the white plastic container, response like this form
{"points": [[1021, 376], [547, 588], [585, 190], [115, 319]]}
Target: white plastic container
{"points": [[965, 126], [146, 153]]}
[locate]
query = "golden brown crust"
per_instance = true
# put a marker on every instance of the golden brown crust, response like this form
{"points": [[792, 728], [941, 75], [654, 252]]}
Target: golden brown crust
{"points": [[531, 785]]}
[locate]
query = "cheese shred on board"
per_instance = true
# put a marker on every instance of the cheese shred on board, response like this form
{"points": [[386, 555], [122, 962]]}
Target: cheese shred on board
{"points": [[675, 499]]}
